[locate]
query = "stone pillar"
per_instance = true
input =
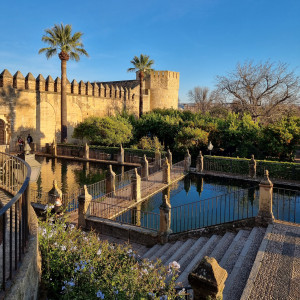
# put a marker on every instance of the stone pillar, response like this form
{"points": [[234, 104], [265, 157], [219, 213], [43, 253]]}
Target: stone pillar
{"points": [[187, 161], [55, 197], [199, 163], [166, 176], [165, 220], [86, 151], [83, 207], [265, 213], [136, 186], [54, 149], [169, 156], [145, 168], [110, 180], [252, 167], [158, 159], [208, 279], [121, 155]]}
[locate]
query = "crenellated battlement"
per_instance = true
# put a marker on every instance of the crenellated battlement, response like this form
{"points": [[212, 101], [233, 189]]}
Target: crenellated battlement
{"points": [[114, 90]]}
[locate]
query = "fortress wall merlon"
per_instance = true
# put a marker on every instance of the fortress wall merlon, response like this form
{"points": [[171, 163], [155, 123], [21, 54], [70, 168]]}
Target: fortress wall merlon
{"points": [[57, 85], [74, 87], [95, 89], [49, 84], [40, 83], [68, 87], [82, 88], [101, 90], [19, 81], [30, 83], [6, 79], [89, 89], [112, 92]]}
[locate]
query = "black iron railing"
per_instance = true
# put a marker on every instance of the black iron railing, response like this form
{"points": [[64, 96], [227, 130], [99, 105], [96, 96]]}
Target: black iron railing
{"points": [[286, 205], [234, 206], [14, 180]]}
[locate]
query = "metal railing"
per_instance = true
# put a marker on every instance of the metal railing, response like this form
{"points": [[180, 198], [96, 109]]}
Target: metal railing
{"points": [[286, 205], [221, 209], [14, 179]]}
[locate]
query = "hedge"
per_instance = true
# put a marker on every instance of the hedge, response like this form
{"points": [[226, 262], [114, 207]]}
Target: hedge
{"points": [[115, 150], [278, 170]]}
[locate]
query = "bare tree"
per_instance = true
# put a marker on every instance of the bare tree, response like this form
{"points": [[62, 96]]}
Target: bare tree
{"points": [[260, 89], [202, 98]]}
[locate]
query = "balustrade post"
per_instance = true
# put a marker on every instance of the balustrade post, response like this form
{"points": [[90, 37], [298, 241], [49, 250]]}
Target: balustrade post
{"points": [[252, 167], [187, 161], [165, 220], [145, 168], [110, 181], [121, 155], [54, 149], [158, 159], [170, 158], [136, 186], [166, 176], [199, 163], [265, 213], [208, 279], [86, 151], [84, 201], [55, 197]]}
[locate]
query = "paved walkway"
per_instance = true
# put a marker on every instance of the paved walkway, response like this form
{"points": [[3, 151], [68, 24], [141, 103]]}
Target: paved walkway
{"points": [[111, 206], [276, 270]]}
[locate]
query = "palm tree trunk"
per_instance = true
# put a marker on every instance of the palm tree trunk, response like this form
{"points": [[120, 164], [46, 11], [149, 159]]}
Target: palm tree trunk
{"points": [[141, 107], [64, 121]]}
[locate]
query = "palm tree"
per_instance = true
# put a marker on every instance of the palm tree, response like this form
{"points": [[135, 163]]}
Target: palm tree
{"points": [[143, 65], [59, 38]]}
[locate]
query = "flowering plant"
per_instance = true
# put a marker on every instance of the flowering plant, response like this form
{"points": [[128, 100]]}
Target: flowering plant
{"points": [[78, 265]]}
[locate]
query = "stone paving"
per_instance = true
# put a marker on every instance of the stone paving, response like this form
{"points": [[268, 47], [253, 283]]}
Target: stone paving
{"points": [[276, 271], [111, 206]]}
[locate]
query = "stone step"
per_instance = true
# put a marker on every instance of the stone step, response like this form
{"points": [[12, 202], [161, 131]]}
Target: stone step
{"points": [[206, 250], [160, 251], [181, 251], [184, 260], [151, 251], [223, 245], [237, 279], [171, 251], [231, 255]]}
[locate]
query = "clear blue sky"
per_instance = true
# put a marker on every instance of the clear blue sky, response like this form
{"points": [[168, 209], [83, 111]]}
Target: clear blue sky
{"points": [[198, 38]]}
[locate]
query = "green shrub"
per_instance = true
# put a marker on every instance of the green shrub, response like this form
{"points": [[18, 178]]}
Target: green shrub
{"points": [[277, 170], [77, 265]]}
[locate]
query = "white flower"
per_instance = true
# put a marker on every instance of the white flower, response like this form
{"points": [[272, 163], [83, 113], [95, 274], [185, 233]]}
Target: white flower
{"points": [[64, 248], [99, 252], [174, 265], [164, 297], [182, 292]]}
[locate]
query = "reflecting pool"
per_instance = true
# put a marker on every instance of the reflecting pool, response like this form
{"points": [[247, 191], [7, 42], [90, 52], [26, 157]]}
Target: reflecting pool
{"points": [[69, 174]]}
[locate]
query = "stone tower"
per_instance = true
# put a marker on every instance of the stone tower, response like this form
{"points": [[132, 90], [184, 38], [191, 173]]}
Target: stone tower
{"points": [[162, 88]]}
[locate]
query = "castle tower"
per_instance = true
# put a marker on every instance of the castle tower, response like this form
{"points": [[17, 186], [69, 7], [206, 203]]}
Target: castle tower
{"points": [[162, 87]]}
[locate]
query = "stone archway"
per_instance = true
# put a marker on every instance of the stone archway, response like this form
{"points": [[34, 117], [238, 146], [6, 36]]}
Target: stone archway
{"points": [[2, 132]]}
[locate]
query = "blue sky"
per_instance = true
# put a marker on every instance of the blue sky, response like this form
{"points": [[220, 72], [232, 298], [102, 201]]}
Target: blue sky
{"points": [[200, 39]]}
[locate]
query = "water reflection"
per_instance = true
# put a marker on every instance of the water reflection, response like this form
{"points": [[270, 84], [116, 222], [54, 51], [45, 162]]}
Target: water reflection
{"points": [[70, 175]]}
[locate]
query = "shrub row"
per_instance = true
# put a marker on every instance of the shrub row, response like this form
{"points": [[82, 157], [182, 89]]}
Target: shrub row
{"points": [[278, 170]]}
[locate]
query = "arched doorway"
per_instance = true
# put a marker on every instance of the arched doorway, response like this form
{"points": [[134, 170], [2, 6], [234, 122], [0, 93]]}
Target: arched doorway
{"points": [[2, 132]]}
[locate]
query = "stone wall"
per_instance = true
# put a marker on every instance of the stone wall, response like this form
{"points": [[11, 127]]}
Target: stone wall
{"points": [[32, 105], [26, 282]]}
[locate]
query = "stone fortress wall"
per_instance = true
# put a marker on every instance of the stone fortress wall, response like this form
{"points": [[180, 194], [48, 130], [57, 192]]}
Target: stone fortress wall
{"points": [[32, 105]]}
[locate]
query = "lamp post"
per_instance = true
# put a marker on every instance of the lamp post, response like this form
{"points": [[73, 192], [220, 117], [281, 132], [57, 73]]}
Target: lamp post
{"points": [[210, 147]]}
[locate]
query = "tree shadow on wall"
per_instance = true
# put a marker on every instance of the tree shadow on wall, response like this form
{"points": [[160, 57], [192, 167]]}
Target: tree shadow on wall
{"points": [[10, 97]]}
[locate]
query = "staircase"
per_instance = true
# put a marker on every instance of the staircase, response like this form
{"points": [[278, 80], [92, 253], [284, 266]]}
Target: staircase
{"points": [[235, 252]]}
